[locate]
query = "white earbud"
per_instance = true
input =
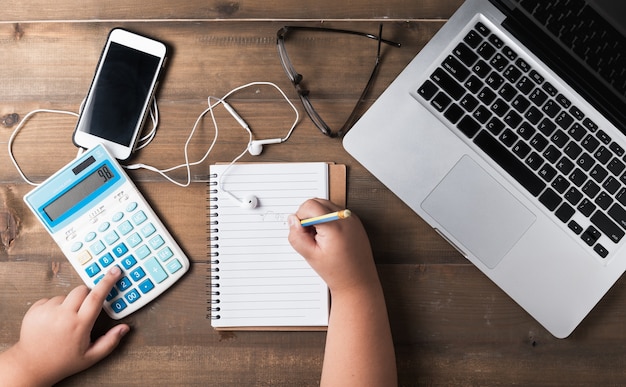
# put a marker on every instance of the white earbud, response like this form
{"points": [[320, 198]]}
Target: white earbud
{"points": [[249, 202], [256, 147]]}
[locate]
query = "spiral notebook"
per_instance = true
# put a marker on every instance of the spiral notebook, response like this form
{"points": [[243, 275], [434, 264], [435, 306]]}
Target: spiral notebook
{"points": [[257, 280]]}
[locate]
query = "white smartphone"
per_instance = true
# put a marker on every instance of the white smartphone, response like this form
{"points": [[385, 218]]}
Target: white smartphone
{"points": [[119, 97]]}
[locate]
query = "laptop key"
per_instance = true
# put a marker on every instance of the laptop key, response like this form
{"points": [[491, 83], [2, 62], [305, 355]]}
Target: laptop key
{"points": [[575, 227], [510, 163], [473, 84], [468, 126], [454, 113], [456, 68], [550, 199], [601, 250], [428, 90], [441, 102], [486, 50], [480, 27], [565, 212], [481, 68], [465, 54], [607, 226], [448, 84], [523, 65], [617, 149], [591, 235], [473, 39], [586, 207], [618, 214]]}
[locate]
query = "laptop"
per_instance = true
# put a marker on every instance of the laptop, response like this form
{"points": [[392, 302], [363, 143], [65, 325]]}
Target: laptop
{"points": [[506, 134]]}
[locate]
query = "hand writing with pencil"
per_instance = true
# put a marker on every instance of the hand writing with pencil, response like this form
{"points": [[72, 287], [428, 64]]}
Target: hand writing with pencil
{"points": [[359, 346]]}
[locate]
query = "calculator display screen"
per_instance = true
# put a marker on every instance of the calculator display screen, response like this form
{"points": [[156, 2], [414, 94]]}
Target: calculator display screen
{"points": [[70, 198]]}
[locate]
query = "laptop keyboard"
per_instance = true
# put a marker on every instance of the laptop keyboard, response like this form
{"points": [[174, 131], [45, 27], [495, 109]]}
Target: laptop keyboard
{"points": [[535, 133]]}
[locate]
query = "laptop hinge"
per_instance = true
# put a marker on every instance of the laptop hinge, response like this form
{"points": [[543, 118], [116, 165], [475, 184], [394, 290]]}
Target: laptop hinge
{"points": [[567, 67]]}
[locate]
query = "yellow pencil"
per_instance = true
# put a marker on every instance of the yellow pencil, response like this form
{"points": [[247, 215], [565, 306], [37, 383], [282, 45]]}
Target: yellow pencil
{"points": [[326, 218]]}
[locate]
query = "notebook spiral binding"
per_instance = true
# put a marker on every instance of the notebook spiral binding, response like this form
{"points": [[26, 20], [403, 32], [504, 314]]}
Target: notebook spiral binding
{"points": [[212, 228]]}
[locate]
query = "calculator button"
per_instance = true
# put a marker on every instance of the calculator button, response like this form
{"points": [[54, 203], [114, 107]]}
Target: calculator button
{"points": [[139, 218], [120, 250], [132, 296], [112, 294], [125, 227], [83, 257], [92, 270], [90, 236], [104, 226], [118, 306], [111, 238], [137, 274], [155, 270], [148, 230], [131, 206], [129, 262], [76, 246], [134, 240], [118, 216], [142, 252], [173, 266], [97, 247], [156, 242], [146, 286], [123, 284], [106, 260], [165, 254]]}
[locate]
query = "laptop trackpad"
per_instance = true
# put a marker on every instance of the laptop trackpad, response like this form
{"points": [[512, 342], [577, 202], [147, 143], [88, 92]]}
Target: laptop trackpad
{"points": [[484, 217]]}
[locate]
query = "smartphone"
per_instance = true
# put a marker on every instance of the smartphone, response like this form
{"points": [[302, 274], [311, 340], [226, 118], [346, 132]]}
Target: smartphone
{"points": [[119, 97]]}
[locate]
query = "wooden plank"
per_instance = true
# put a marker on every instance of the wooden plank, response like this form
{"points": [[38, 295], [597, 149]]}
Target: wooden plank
{"points": [[451, 326], [218, 9], [214, 58]]}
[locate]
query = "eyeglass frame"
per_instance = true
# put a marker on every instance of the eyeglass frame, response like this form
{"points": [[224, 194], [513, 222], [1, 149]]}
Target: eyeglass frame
{"points": [[296, 78]]}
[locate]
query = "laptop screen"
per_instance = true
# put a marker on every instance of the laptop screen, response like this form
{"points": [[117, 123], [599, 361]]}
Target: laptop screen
{"points": [[613, 11], [582, 41]]}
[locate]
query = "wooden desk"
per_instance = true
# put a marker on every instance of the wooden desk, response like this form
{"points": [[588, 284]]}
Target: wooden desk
{"points": [[451, 325]]}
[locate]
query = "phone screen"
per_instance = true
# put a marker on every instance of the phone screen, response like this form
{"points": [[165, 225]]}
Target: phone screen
{"points": [[119, 94]]}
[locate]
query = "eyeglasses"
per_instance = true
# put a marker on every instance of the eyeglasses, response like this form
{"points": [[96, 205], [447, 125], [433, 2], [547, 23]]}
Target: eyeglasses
{"points": [[303, 93]]}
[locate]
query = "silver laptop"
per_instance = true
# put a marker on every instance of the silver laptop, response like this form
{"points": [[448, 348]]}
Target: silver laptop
{"points": [[505, 133]]}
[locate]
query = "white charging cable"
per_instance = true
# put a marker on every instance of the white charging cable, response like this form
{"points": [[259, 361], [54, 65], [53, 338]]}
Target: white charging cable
{"points": [[17, 130], [144, 141]]}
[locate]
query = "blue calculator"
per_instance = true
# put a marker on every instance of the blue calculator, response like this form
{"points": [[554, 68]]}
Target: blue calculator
{"points": [[99, 219]]}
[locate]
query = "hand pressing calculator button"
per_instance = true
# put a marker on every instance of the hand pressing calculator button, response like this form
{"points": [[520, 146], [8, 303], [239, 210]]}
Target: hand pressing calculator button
{"points": [[99, 219]]}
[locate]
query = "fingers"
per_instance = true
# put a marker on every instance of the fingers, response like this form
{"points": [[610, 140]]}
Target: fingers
{"points": [[301, 239], [93, 301], [105, 344], [75, 298], [316, 207]]}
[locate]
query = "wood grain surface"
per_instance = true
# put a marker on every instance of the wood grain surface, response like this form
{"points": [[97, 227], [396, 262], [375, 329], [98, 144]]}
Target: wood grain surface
{"points": [[451, 325]]}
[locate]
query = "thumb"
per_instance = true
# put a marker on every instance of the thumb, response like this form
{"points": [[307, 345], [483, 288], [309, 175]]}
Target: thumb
{"points": [[105, 344]]}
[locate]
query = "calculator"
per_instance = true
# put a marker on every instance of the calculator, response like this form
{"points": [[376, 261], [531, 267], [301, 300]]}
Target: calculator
{"points": [[99, 219]]}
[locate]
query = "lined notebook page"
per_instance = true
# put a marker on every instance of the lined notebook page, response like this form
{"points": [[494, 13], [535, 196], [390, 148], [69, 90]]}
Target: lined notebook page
{"points": [[258, 280]]}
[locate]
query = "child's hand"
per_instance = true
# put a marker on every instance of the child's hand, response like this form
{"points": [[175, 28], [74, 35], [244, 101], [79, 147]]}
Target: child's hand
{"points": [[55, 336], [359, 347], [339, 250]]}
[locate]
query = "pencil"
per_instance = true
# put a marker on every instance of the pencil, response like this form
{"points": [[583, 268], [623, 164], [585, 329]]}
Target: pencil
{"points": [[326, 218]]}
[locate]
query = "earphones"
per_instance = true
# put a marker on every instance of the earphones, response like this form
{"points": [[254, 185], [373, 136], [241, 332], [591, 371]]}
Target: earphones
{"points": [[254, 147], [249, 202]]}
